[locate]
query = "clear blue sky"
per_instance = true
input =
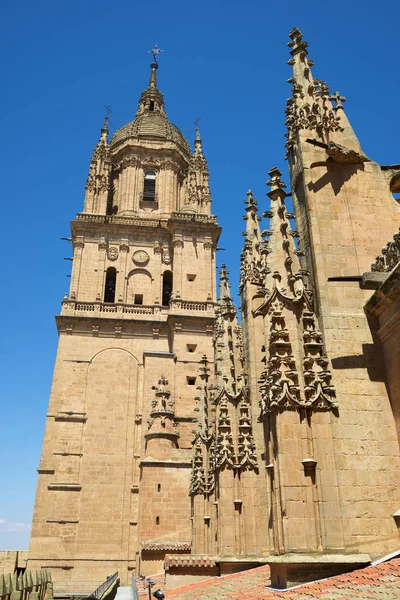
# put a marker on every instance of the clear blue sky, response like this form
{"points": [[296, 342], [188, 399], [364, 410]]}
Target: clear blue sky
{"points": [[224, 61]]}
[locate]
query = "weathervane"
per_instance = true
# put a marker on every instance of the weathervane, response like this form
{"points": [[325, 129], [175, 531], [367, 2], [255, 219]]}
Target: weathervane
{"points": [[197, 122], [155, 52]]}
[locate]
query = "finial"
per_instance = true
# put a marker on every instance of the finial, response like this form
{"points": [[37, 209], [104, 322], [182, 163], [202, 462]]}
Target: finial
{"points": [[275, 182], [250, 201], [105, 125], [223, 272], [296, 42], [338, 99]]}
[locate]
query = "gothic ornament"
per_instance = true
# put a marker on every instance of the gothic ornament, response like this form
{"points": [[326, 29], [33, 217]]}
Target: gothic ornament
{"points": [[287, 303]]}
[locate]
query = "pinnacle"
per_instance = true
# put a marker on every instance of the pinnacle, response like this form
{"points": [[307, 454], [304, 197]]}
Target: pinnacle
{"points": [[250, 200], [275, 183], [224, 285]]}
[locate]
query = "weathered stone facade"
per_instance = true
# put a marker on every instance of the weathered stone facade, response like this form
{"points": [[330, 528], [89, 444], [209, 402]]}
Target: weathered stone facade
{"points": [[176, 435]]}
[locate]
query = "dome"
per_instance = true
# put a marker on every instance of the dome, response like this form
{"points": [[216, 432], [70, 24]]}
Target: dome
{"points": [[152, 126]]}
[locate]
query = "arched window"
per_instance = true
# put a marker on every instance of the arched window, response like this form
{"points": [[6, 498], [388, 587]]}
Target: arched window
{"points": [[109, 290], [166, 288], [149, 189]]}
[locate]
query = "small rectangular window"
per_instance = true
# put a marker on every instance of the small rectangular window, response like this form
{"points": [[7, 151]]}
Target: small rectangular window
{"points": [[191, 347], [138, 299], [191, 276], [157, 520], [191, 380]]}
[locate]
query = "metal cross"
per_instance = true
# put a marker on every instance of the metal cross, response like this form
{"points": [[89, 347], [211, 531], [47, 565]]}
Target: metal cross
{"points": [[339, 100], [155, 51]]}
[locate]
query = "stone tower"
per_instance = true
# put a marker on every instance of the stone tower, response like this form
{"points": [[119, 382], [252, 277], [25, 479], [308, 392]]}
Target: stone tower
{"points": [[116, 461]]}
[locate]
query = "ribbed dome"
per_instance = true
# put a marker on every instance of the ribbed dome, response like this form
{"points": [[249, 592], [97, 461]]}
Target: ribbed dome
{"points": [[152, 126]]}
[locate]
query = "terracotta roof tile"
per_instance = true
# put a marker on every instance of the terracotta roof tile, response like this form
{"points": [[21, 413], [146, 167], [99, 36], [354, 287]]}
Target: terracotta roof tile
{"points": [[380, 582]]}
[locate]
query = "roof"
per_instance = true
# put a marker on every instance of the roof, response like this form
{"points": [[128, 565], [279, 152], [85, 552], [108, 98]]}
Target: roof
{"points": [[374, 582], [191, 560], [151, 126], [156, 546]]}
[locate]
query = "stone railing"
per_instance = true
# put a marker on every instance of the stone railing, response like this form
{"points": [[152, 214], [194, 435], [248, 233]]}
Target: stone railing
{"points": [[30, 585], [120, 310], [178, 305], [143, 221], [182, 216], [104, 309], [390, 256], [120, 220]]}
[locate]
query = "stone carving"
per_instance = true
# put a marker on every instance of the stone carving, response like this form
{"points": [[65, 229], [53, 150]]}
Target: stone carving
{"points": [[390, 256], [224, 449], [203, 470], [177, 243], [166, 257], [287, 301], [112, 253], [246, 456], [140, 257], [253, 259], [78, 244], [341, 154], [309, 106], [98, 181], [198, 176], [161, 422]]}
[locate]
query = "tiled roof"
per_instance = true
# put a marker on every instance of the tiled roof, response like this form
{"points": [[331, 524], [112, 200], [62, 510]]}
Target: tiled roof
{"points": [[380, 582], [165, 545], [191, 560]]}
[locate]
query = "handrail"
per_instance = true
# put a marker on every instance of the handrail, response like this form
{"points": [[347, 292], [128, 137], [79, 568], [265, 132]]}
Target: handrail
{"points": [[101, 589]]}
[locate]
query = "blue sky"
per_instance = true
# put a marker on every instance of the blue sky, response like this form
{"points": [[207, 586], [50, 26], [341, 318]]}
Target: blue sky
{"points": [[223, 61]]}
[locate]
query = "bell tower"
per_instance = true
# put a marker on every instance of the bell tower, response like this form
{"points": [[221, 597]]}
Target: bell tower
{"points": [[114, 476]]}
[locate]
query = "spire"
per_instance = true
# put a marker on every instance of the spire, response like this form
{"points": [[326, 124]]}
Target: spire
{"points": [[199, 195], [253, 257], [104, 130], [283, 262], [98, 181], [152, 100], [296, 373], [310, 105], [228, 340], [225, 292], [153, 76]]}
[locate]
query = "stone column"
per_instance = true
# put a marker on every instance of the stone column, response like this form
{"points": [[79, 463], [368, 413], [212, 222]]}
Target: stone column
{"points": [[209, 285], [120, 292], [78, 245], [177, 244], [101, 269]]}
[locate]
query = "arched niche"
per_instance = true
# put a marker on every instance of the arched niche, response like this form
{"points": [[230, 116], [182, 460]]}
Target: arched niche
{"points": [[139, 287]]}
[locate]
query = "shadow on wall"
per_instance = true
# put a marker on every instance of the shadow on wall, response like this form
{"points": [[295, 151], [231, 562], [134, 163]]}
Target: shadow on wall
{"points": [[370, 359], [336, 174]]}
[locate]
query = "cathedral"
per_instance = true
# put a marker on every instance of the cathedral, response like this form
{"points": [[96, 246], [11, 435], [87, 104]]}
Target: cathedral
{"points": [[182, 439]]}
